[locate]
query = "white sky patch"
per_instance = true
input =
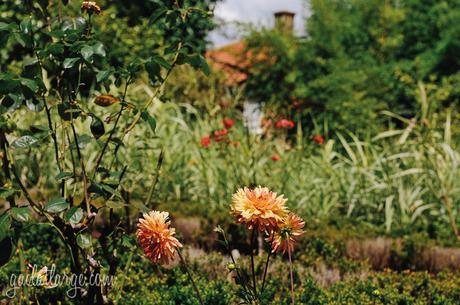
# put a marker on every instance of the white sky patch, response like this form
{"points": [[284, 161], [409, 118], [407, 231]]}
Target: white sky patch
{"points": [[256, 12]]}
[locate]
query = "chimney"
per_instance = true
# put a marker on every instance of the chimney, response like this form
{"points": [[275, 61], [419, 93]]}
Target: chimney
{"points": [[284, 21]]}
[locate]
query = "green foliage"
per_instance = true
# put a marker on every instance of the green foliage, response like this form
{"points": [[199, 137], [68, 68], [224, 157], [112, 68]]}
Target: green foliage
{"points": [[359, 58]]}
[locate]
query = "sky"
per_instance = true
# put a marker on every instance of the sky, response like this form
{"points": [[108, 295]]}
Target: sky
{"points": [[256, 12]]}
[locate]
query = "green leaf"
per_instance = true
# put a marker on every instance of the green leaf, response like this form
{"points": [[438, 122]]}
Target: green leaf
{"points": [[128, 242], [23, 39], [115, 204], [70, 62], [64, 175], [87, 53], [153, 69], [29, 61], [4, 36], [97, 127], [55, 49], [26, 25], [198, 62], [162, 62], [56, 205], [11, 102], [74, 215], [7, 27], [5, 193], [83, 140], [21, 214], [98, 49], [9, 84], [56, 34], [29, 83], [150, 120], [157, 15], [83, 241], [110, 190], [5, 225], [24, 142], [103, 75]]}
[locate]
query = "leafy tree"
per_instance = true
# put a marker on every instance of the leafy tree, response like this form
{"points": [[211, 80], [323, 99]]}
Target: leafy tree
{"points": [[361, 57]]}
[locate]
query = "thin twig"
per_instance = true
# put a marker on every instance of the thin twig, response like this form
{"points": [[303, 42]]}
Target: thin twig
{"points": [[157, 90], [155, 178], [112, 132]]}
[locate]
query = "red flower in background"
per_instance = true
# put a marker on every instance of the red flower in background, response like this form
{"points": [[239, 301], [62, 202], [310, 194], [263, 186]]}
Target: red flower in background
{"points": [[296, 103], [276, 157], [228, 123], [219, 135], [288, 124], [205, 141], [318, 139]]}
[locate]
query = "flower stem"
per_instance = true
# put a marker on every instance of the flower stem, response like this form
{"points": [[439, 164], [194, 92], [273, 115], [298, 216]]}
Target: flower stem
{"points": [[292, 277], [190, 278], [266, 263], [253, 239]]}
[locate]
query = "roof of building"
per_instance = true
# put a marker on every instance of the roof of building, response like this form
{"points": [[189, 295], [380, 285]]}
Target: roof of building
{"points": [[235, 61]]}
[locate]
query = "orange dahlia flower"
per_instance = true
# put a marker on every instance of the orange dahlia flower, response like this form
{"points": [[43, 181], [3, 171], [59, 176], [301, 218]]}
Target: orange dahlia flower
{"points": [[289, 232], [157, 237], [259, 208]]}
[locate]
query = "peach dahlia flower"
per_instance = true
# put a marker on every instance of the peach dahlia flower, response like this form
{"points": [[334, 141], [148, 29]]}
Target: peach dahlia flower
{"points": [[288, 234], [157, 237], [259, 208]]}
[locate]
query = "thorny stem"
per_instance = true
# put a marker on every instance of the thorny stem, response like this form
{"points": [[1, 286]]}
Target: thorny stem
{"points": [[48, 113], [55, 141], [292, 277], [24, 191], [190, 277], [83, 171]]}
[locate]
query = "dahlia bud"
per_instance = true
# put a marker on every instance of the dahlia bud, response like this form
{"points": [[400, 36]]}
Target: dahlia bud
{"points": [[231, 266], [106, 100]]}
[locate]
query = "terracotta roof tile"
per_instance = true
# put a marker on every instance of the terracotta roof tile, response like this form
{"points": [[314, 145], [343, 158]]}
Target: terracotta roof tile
{"points": [[235, 60]]}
